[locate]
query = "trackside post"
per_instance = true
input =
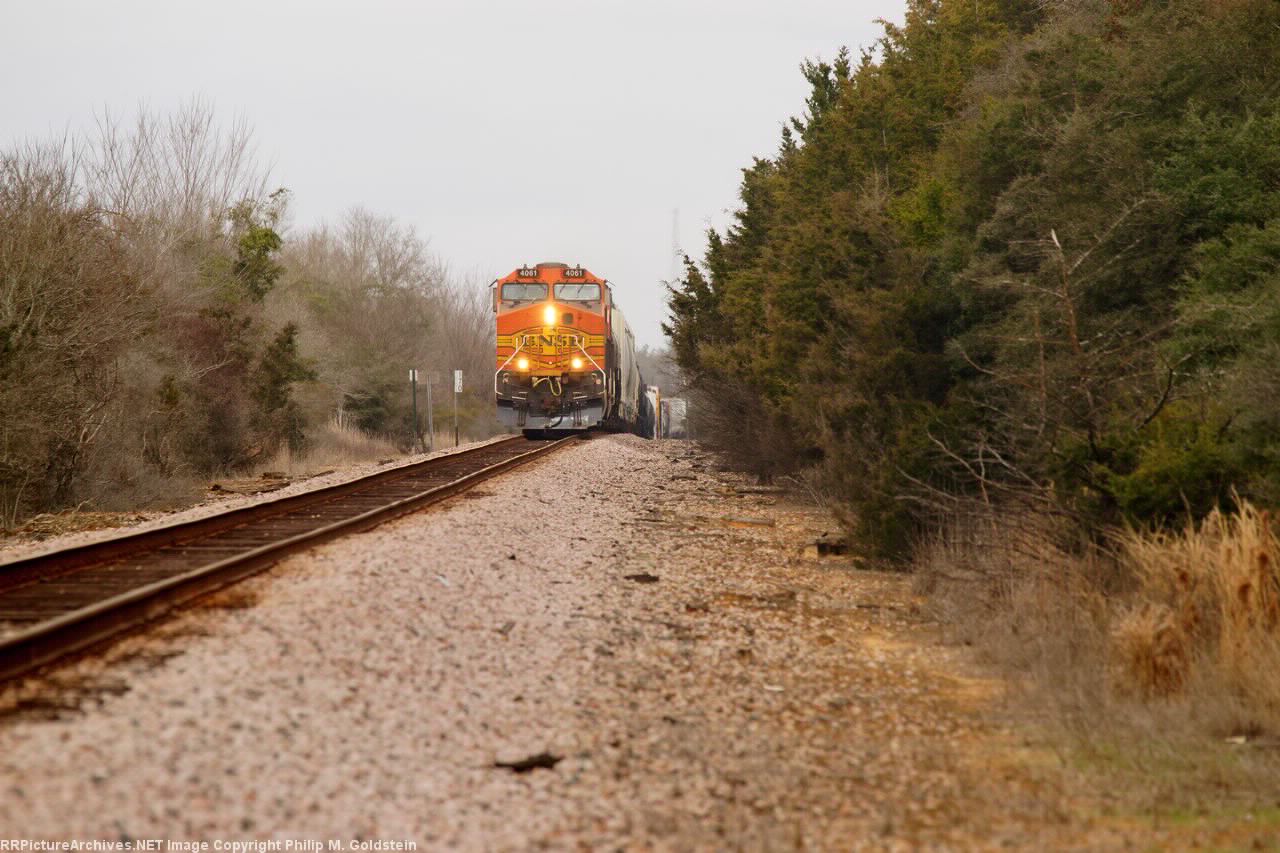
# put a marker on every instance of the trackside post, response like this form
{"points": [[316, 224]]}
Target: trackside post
{"points": [[417, 430], [431, 421], [457, 390]]}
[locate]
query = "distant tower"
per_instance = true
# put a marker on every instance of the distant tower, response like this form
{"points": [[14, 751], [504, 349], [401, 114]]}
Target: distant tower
{"points": [[675, 244]]}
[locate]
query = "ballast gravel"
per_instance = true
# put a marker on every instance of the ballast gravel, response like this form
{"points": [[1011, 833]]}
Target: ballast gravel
{"points": [[647, 631]]}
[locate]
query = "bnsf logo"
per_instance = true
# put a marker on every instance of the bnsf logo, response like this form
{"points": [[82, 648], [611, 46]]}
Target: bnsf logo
{"points": [[547, 340]]}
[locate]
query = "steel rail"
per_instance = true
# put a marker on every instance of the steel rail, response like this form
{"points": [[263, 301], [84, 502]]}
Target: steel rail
{"points": [[69, 559], [79, 630]]}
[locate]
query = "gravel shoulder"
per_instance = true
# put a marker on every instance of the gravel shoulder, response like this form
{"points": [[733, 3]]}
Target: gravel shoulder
{"points": [[621, 605]]}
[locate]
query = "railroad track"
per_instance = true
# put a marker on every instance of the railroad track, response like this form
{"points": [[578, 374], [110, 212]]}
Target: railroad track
{"points": [[56, 604]]}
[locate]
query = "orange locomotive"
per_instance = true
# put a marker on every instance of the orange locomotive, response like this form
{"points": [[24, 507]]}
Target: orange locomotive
{"points": [[566, 357]]}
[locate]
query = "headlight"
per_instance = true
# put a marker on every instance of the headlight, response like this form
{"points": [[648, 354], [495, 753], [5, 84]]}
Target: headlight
{"points": [[522, 363], [549, 315], [577, 363]]}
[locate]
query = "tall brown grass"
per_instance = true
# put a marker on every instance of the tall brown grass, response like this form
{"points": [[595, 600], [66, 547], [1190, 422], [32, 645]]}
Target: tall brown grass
{"points": [[1207, 608], [1029, 598], [1183, 626], [332, 446]]}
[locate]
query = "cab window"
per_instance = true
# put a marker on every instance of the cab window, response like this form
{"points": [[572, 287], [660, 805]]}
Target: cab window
{"points": [[523, 292], [577, 292]]}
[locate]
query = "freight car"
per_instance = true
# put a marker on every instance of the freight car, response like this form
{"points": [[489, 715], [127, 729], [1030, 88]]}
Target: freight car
{"points": [[674, 418], [565, 357], [653, 401]]}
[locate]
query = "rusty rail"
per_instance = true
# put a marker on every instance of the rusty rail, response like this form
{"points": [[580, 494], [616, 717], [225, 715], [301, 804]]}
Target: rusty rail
{"points": [[76, 598]]}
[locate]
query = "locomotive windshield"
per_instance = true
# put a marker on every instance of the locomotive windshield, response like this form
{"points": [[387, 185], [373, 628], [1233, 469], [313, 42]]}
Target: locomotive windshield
{"points": [[577, 292], [517, 292]]}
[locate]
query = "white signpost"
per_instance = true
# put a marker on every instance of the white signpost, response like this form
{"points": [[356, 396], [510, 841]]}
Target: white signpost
{"points": [[457, 389], [413, 383]]}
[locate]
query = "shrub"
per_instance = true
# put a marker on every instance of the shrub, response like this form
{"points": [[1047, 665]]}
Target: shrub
{"points": [[1183, 467]]}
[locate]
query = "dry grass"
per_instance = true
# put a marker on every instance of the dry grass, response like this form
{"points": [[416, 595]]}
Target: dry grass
{"points": [[1151, 650], [332, 446], [1156, 657], [1013, 586], [1207, 609]]}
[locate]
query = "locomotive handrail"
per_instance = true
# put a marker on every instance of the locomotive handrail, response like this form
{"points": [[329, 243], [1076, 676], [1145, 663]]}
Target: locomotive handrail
{"points": [[593, 361], [498, 372]]}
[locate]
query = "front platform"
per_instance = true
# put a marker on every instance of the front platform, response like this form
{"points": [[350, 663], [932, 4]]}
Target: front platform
{"points": [[584, 415]]}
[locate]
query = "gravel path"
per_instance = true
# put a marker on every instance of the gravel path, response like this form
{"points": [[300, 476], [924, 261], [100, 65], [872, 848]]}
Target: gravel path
{"points": [[620, 605]]}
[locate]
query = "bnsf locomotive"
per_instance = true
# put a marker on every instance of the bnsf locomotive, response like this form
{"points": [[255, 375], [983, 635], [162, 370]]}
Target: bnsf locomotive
{"points": [[566, 358]]}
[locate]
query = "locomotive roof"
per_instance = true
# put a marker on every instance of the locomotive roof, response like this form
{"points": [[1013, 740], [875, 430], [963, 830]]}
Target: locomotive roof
{"points": [[552, 272]]}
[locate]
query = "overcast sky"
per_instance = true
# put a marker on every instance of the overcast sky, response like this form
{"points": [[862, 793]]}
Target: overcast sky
{"points": [[505, 132]]}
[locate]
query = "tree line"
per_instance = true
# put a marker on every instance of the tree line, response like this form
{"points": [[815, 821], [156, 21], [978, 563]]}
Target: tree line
{"points": [[161, 322], [1019, 254]]}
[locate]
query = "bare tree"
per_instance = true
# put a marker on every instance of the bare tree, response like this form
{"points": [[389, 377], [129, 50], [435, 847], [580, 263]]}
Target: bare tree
{"points": [[69, 305], [176, 175]]}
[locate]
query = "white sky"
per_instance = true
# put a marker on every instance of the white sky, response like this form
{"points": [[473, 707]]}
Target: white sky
{"points": [[506, 132]]}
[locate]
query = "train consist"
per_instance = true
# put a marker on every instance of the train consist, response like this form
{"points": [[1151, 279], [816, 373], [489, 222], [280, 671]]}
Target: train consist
{"points": [[673, 418], [566, 357], [670, 415]]}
